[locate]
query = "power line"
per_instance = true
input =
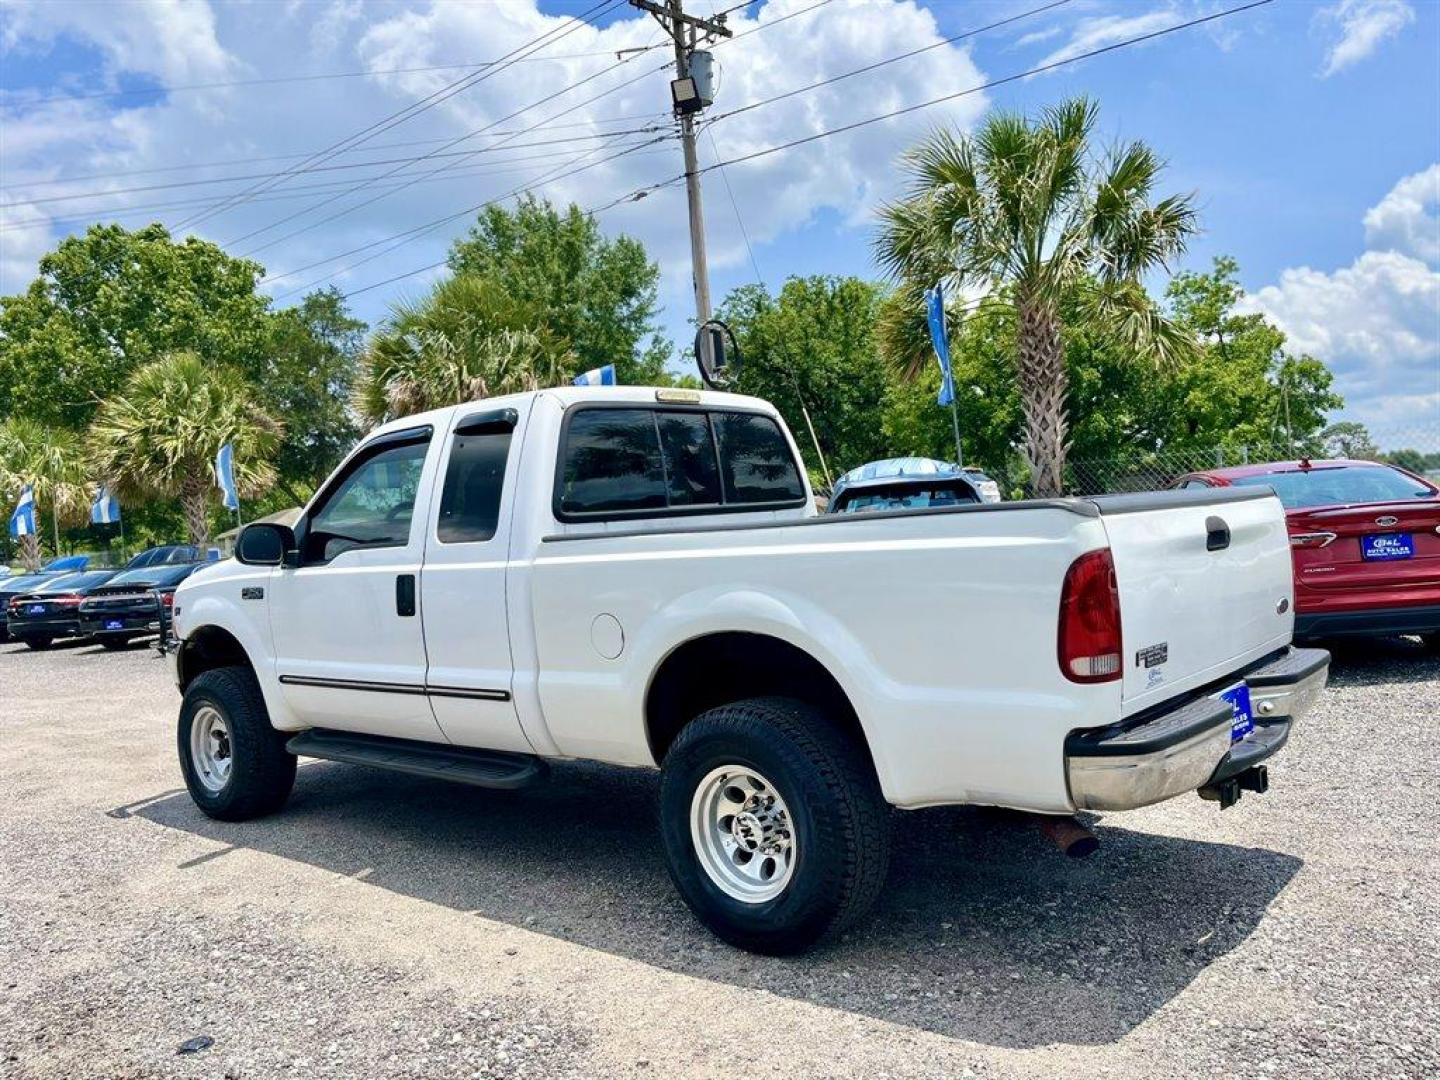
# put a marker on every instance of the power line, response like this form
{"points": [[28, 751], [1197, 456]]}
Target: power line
{"points": [[434, 154], [191, 166], [630, 196], [890, 60], [414, 109], [130, 211], [336, 168], [990, 85], [406, 237], [275, 80], [744, 233]]}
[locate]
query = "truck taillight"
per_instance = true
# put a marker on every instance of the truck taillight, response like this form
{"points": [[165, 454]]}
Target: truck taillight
{"points": [[167, 599], [1090, 645]]}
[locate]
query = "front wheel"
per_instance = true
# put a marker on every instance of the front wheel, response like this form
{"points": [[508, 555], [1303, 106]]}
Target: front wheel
{"points": [[235, 764], [774, 826]]}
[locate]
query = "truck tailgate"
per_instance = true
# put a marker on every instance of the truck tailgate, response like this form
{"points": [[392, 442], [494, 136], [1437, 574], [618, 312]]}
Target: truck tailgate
{"points": [[1205, 586]]}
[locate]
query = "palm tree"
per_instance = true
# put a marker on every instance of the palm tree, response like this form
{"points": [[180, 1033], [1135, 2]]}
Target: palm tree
{"points": [[467, 340], [159, 436], [1029, 212], [48, 460]]}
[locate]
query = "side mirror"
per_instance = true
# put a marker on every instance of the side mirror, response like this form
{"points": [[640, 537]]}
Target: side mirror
{"points": [[264, 544]]}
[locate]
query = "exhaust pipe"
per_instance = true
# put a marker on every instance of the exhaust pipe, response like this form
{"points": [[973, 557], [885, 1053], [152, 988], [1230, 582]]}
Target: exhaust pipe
{"points": [[1066, 833]]}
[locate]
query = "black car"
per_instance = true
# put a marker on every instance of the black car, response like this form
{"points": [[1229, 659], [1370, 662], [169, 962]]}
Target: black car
{"points": [[169, 555], [52, 610], [13, 586], [132, 604]]}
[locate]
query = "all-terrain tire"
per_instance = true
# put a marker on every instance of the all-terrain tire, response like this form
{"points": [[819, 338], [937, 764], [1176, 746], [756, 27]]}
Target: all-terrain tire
{"points": [[840, 821], [261, 770]]}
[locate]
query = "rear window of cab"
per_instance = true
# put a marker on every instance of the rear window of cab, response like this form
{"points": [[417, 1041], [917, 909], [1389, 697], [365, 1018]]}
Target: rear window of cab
{"points": [[638, 461]]}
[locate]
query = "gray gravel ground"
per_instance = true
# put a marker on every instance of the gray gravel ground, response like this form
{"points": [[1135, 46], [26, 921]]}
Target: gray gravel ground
{"points": [[388, 926]]}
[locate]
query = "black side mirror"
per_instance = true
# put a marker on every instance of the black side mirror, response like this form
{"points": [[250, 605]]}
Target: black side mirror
{"points": [[263, 543]]}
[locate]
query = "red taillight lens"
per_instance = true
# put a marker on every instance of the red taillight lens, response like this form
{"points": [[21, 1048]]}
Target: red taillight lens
{"points": [[167, 598], [67, 601], [1312, 540], [1090, 646]]}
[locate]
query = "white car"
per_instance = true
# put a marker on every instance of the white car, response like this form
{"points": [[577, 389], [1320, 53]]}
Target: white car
{"points": [[638, 576]]}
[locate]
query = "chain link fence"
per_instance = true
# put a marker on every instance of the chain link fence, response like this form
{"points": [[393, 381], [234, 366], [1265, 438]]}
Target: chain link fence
{"points": [[1415, 449]]}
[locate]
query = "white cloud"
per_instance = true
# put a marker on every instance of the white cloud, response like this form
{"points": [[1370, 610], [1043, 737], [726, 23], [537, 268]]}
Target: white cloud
{"points": [[1095, 33], [1408, 218], [843, 176], [1376, 322], [1362, 27]]}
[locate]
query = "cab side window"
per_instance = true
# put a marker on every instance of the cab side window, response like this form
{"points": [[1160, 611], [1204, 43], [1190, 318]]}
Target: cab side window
{"points": [[371, 506]]}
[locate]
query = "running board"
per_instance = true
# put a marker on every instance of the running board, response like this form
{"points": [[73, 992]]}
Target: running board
{"points": [[439, 761]]}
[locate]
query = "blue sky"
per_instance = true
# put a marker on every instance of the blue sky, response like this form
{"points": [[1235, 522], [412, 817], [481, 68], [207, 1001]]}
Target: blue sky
{"points": [[1310, 133]]}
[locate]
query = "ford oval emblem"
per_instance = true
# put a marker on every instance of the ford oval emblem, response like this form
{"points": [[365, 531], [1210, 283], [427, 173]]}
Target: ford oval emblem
{"points": [[1386, 521], [1282, 606]]}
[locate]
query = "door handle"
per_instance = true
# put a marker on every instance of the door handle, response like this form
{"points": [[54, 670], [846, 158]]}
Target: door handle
{"points": [[405, 594], [1217, 534]]}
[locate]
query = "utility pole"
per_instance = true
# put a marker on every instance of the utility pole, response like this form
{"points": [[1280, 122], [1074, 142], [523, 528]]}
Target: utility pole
{"points": [[686, 31]]}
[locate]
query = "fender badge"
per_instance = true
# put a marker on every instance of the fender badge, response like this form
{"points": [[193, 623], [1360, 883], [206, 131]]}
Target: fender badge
{"points": [[1152, 655], [252, 593], [1282, 605]]}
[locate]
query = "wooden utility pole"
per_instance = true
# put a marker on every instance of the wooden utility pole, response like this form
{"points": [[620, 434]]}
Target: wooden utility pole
{"points": [[686, 31]]}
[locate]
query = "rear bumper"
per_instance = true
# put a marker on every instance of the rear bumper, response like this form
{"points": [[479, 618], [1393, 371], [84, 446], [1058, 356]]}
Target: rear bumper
{"points": [[131, 625], [1368, 622], [1187, 747], [46, 628]]}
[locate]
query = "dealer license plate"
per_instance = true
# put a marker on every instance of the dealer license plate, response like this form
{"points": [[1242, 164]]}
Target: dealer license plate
{"points": [[1382, 547], [1242, 722], [36, 609], [114, 624]]}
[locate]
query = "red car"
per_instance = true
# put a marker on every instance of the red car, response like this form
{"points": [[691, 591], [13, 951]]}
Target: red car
{"points": [[1365, 538]]}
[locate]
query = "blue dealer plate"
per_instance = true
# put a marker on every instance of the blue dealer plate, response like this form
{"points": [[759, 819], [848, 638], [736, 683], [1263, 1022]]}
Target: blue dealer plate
{"points": [[114, 624], [1242, 723], [36, 609], [1383, 547]]}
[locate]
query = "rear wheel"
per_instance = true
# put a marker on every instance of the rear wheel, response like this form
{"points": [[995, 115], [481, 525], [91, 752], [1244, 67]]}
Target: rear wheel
{"points": [[39, 643], [114, 644], [775, 830], [1431, 641], [235, 764]]}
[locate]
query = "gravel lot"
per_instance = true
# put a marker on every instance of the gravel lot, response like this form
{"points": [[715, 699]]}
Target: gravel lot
{"points": [[388, 926]]}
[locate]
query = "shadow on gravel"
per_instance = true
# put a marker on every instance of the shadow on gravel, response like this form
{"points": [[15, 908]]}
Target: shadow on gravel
{"points": [[1366, 661], [986, 933]]}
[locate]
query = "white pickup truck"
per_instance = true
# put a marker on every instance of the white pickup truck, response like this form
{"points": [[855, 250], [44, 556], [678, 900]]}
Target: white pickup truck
{"points": [[639, 576]]}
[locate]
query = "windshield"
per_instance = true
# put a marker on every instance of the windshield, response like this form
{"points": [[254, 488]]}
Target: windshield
{"points": [[907, 497], [76, 582], [1303, 488]]}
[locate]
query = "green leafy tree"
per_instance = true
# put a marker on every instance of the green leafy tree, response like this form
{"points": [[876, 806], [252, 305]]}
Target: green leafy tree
{"points": [[595, 293], [111, 300], [158, 437], [50, 461], [813, 349], [1348, 439], [309, 375], [469, 339], [1028, 210]]}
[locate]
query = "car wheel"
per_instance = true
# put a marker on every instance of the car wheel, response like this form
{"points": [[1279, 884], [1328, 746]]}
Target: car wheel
{"points": [[235, 764], [114, 644], [40, 644], [1431, 642], [774, 826]]}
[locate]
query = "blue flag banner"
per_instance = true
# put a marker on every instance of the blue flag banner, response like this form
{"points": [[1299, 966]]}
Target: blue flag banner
{"points": [[225, 477], [22, 521], [600, 376], [105, 510], [935, 316]]}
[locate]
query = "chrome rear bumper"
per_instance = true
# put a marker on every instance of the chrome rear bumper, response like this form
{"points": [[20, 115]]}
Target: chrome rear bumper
{"points": [[1186, 748]]}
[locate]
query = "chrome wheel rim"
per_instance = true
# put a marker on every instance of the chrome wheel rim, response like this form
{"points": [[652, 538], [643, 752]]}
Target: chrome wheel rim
{"points": [[743, 834], [210, 751]]}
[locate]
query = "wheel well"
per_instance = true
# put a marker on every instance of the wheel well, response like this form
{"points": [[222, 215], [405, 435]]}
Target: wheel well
{"points": [[719, 668], [210, 647]]}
